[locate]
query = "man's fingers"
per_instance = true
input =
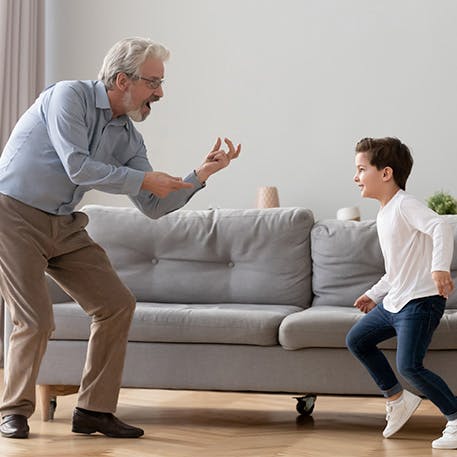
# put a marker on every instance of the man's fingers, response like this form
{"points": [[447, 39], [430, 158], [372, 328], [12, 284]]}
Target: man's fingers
{"points": [[238, 150], [211, 155], [230, 145], [232, 153], [176, 182], [217, 145], [183, 185]]}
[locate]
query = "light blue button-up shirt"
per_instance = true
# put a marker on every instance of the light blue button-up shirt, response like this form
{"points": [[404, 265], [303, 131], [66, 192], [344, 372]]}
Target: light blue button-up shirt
{"points": [[67, 143]]}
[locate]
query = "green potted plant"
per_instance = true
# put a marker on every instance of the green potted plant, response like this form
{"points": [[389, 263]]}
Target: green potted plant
{"points": [[442, 203]]}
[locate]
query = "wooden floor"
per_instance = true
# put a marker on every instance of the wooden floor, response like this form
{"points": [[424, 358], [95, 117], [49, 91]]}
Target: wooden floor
{"points": [[196, 424]]}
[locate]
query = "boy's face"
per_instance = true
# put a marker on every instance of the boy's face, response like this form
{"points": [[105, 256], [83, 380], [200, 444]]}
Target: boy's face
{"points": [[368, 177]]}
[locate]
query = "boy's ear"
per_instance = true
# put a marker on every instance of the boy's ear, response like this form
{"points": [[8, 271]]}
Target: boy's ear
{"points": [[387, 174]]}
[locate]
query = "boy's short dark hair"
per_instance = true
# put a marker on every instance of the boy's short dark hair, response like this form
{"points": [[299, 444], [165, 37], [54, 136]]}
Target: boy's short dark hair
{"points": [[388, 152]]}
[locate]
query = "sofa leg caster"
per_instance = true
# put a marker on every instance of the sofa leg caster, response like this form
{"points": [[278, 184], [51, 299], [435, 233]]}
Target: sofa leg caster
{"points": [[305, 404]]}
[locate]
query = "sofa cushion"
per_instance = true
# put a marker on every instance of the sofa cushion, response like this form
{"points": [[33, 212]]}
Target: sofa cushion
{"points": [[327, 327], [185, 323], [347, 261], [256, 256]]}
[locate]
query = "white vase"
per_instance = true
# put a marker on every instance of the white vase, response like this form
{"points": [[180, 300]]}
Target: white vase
{"points": [[351, 213]]}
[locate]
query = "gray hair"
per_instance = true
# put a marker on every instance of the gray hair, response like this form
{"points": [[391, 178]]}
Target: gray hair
{"points": [[127, 55]]}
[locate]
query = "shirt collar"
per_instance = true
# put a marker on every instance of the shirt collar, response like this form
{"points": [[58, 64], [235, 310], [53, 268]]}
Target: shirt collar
{"points": [[102, 102], [101, 97]]}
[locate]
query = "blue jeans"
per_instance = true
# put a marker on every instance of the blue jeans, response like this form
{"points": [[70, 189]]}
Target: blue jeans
{"points": [[414, 326]]}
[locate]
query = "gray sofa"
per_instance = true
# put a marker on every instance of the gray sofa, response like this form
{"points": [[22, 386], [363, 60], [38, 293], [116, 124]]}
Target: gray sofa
{"points": [[236, 300]]}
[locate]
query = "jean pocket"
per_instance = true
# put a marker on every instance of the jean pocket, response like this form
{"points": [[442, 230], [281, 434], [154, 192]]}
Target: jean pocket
{"points": [[437, 306]]}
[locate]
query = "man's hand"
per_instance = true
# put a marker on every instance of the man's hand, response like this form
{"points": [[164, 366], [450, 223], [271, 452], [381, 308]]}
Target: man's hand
{"points": [[217, 159], [161, 184], [364, 303], [443, 282]]}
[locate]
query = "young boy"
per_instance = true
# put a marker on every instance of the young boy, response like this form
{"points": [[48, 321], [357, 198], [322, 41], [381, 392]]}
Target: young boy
{"points": [[409, 300]]}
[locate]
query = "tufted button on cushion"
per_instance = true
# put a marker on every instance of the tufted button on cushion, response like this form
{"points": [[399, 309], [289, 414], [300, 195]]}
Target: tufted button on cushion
{"points": [[230, 264], [154, 261]]}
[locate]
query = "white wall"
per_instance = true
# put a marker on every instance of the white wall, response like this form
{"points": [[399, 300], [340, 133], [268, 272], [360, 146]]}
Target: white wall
{"points": [[297, 82]]}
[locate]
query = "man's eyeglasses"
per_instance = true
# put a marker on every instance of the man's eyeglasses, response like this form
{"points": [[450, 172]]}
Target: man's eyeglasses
{"points": [[153, 83]]}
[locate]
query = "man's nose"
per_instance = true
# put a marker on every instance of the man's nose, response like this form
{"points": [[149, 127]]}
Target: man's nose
{"points": [[159, 91]]}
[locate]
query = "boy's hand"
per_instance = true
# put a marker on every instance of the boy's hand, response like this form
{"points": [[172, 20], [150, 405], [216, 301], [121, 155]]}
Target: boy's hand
{"points": [[444, 283], [364, 303]]}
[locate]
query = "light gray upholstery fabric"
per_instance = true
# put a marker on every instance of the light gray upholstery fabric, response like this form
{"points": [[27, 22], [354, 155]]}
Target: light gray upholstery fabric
{"points": [[222, 256], [236, 278], [347, 261], [55, 292], [236, 368], [186, 323], [327, 327]]}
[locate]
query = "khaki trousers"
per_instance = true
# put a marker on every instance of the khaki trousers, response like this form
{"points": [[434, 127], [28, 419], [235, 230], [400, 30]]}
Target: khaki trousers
{"points": [[33, 242]]}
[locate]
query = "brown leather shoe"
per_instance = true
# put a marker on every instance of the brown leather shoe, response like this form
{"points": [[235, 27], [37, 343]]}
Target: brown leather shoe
{"points": [[105, 423], [14, 426]]}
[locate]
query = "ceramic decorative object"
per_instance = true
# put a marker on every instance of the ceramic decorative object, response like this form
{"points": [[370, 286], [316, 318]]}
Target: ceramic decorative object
{"points": [[351, 213], [267, 197]]}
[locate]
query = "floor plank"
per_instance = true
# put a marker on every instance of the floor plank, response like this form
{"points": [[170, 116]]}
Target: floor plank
{"points": [[215, 424]]}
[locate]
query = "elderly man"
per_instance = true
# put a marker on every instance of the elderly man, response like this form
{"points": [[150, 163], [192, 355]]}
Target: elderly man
{"points": [[77, 136]]}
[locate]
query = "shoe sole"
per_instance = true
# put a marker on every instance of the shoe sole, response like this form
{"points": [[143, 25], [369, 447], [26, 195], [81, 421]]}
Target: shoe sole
{"points": [[444, 446], [86, 431], [404, 422], [89, 431], [17, 435]]}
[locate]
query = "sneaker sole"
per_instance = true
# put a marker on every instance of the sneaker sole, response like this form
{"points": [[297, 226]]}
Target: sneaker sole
{"points": [[444, 446], [392, 432]]}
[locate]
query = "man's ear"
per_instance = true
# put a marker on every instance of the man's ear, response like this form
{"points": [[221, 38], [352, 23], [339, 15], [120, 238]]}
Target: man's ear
{"points": [[122, 81], [387, 174]]}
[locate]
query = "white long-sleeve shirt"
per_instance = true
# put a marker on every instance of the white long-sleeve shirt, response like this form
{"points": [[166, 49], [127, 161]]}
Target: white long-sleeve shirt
{"points": [[414, 241]]}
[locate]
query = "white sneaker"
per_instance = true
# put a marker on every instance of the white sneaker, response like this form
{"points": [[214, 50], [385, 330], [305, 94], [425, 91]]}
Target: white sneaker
{"points": [[399, 411], [449, 438]]}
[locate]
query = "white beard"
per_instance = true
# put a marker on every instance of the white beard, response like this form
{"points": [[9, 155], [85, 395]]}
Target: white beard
{"points": [[135, 115]]}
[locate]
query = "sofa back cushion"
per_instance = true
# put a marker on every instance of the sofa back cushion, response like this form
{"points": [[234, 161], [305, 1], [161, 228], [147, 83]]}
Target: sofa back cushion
{"points": [[347, 261], [218, 256]]}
